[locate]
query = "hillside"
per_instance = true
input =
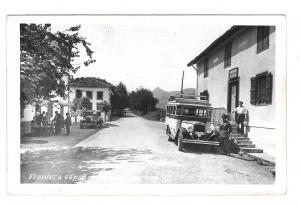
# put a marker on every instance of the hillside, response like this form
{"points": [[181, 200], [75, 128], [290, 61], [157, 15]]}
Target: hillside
{"points": [[163, 96]]}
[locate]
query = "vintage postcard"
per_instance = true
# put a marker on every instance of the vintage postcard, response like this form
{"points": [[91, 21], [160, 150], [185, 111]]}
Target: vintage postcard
{"points": [[146, 105]]}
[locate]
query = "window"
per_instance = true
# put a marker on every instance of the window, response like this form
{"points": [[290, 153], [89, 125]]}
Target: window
{"points": [[206, 68], [99, 95], [173, 110], [262, 38], [261, 89], [89, 94], [78, 93], [178, 110], [199, 112], [227, 57]]}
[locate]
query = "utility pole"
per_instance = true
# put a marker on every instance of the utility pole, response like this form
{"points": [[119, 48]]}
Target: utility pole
{"points": [[181, 91]]}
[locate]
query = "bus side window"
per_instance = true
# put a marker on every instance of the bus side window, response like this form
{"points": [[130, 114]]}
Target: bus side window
{"points": [[178, 110], [201, 112]]}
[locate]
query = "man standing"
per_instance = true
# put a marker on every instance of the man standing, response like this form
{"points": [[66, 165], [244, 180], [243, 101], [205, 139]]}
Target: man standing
{"points": [[241, 112], [68, 123], [43, 118], [38, 118], [48, 119], [56, 122], [225, 130]]}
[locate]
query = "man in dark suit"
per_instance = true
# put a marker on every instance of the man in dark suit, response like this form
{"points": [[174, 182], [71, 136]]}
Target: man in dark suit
{"points": [[68, 123], [57, 123]]}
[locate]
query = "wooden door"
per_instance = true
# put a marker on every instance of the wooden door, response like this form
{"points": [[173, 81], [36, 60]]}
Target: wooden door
{"points": [[233, 97]]}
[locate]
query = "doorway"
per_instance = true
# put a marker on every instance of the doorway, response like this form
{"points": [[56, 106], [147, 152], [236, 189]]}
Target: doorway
{"points": [[233, 96]]}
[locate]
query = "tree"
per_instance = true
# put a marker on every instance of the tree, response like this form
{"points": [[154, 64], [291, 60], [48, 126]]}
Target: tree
{"points": [[86, 103], [142, 100], [79, 106], [119, 100], [46, 59], [76, 108]]}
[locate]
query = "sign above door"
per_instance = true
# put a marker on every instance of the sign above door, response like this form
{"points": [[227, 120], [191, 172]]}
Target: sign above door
{"points": [[233, 73]]}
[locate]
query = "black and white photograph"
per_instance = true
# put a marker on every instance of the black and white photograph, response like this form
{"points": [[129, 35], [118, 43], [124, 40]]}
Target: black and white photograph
{"points": [[149, 100]]}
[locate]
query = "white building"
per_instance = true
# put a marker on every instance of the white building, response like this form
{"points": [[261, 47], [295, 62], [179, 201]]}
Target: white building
{"points": [[240, 65], [97, 90]]}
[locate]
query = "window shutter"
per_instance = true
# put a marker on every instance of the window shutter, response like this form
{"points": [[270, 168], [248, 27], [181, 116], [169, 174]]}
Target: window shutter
{"points": [[269, 79], [259, 38], [253, 91], [265, 42], [266, 37]]}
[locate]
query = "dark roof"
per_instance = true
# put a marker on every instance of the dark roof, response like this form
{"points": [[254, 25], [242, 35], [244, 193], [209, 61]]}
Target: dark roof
{"points": [[230, 32], [90, 82]]}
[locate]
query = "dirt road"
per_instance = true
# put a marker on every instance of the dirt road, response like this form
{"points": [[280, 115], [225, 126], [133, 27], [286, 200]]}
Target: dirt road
{"points": [[137, 151]]}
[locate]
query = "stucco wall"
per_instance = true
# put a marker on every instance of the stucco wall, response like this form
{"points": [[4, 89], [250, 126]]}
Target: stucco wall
{"points": [[249, 63], [106, 95]]}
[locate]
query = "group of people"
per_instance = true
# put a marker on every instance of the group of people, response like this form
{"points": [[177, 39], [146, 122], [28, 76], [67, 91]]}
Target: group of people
{"points": [[41, 119], [228, 142], [59, 123], [44, 119]]}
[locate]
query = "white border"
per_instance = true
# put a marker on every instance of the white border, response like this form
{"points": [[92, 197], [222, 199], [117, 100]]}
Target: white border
{"points": [[13, 140]]}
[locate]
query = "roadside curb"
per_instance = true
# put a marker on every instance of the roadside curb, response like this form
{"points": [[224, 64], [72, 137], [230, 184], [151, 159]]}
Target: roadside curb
{"points": [[262, 159]]}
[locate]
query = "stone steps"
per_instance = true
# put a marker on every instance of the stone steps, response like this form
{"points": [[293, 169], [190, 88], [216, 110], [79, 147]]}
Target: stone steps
{"points": [[246, 144], [242, 138], [251, 150], [238, 135]]}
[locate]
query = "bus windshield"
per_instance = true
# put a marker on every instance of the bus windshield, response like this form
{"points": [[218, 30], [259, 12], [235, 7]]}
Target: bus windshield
{"points": [[195, 111]]}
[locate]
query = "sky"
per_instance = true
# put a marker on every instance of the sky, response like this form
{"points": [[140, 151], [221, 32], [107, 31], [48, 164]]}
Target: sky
{"points": [[146, 54]]}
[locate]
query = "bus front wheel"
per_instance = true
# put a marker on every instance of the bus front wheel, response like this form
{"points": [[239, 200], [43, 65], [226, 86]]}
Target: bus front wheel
{"points": [[179, 142]]}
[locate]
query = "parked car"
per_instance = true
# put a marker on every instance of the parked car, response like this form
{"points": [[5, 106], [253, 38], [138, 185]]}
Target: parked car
{"points": [[188, 121], [92, 119]]}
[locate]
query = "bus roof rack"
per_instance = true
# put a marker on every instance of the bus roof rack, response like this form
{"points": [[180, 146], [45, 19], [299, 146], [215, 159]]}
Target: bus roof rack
{"points": [[194, 99]]}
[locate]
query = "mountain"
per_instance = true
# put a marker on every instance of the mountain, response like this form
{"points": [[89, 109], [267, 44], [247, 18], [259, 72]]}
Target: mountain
{"points": [[163, 96]]}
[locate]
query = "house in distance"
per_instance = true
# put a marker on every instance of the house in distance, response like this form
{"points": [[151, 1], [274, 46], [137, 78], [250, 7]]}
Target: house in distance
{"points": [[97, 90]]}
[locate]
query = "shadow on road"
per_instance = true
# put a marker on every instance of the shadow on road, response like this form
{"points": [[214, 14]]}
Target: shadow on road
{"points": [[34, 141], [200, 149], [107, 125], [73, 165]]}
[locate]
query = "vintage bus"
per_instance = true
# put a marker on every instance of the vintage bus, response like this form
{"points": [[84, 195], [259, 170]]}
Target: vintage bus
{"points": [[188, 120]]}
